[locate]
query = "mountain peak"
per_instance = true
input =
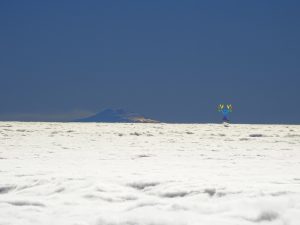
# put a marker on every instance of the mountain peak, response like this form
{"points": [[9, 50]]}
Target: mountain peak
{"points": [[117, 116]]}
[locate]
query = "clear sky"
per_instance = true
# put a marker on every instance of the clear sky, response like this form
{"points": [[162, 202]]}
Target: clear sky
{"points": [[170, 60]]}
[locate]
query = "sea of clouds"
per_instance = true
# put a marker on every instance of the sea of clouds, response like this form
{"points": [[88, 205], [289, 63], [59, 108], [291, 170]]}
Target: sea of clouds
{"points": [[149, 174]]}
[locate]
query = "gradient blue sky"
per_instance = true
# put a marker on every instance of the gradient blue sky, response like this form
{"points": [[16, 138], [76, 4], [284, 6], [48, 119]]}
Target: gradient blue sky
{"points": [[170, 60]]}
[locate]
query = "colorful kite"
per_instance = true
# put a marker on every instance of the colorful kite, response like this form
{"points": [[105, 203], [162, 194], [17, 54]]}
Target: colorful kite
{"points": [[225, 110]]}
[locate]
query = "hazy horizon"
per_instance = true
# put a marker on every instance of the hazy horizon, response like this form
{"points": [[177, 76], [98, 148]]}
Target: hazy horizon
{"points": [[73, 116]]}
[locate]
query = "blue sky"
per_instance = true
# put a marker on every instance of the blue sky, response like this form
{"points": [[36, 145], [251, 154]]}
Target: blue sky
{"points": [[170, 60]]}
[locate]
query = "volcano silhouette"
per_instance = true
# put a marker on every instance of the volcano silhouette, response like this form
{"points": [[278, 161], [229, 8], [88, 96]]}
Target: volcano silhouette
{"points": [[117, 116]]}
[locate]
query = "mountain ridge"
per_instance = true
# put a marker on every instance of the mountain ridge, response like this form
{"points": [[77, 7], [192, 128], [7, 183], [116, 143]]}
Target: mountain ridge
{"points": [[117, 116]]}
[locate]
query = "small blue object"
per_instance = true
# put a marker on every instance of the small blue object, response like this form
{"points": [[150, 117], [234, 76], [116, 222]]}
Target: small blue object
{"points": [[225, 111]]}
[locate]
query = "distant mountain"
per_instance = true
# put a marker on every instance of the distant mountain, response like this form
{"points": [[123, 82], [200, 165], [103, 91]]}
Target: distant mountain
{"points": [[117, 116]]}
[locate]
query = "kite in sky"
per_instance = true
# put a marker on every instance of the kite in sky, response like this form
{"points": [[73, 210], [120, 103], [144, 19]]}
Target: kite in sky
{"points": [[225, 110]]}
